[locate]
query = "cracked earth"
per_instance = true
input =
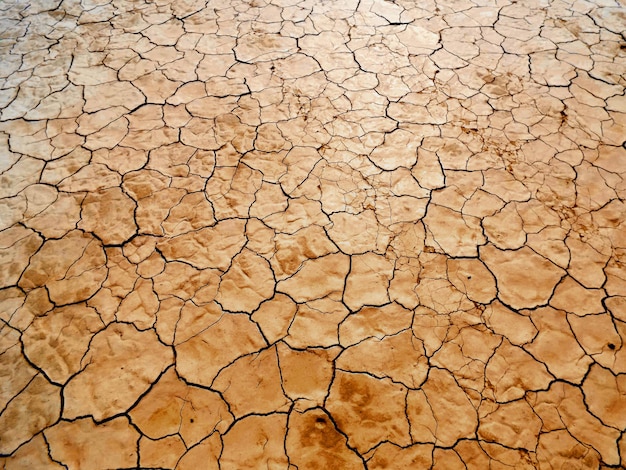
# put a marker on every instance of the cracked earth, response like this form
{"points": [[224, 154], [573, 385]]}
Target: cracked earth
{"points": [[312, 234]]}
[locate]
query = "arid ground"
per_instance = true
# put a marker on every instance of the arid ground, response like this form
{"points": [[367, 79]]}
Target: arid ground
{"points": [[312, 234]]}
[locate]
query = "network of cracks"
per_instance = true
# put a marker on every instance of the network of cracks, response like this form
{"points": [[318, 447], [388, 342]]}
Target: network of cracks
{"points": [[312, 234]]}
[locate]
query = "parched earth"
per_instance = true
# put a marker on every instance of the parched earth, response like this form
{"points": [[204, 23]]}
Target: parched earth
{"points": [[312, 234]]}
